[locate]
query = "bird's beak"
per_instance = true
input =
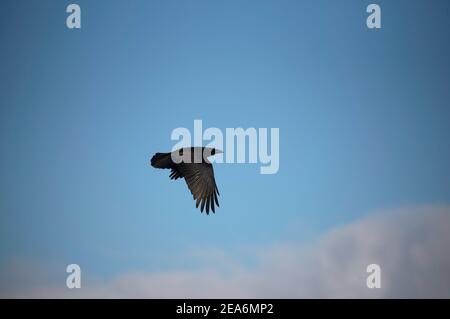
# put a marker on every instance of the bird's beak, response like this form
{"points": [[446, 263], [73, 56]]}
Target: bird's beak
{"points": [[218, 151]]}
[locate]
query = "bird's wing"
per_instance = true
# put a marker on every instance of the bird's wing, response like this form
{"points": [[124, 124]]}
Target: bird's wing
{"points": [[175, 173], [200, 180]]}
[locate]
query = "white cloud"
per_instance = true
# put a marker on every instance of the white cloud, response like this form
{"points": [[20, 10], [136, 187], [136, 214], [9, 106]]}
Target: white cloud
{"points": [[410, 245]]}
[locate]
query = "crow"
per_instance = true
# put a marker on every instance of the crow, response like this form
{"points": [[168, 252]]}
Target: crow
{"points": [[192, 164]]}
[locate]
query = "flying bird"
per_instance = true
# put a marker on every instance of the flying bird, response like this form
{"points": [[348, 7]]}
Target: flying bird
{"points": [[191, 163]]}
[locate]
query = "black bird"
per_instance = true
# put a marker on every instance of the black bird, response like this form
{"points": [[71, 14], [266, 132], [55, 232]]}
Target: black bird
{"points": [[192, 164]]}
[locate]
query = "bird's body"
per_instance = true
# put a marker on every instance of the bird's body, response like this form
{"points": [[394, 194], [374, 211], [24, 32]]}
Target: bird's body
{"points": [[192, 164]]}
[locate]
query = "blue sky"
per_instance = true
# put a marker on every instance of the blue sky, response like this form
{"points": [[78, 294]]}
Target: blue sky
{"points": [[363, 118]]}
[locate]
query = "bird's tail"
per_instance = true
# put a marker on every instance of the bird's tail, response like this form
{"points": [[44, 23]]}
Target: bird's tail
{"points": [[162, 160]]}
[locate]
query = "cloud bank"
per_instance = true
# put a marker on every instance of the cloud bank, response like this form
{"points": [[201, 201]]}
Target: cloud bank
{"points": [[411, 245]]}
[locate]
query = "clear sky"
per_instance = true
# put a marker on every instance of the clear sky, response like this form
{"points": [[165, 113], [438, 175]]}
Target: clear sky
{"points": [[363, 118]]}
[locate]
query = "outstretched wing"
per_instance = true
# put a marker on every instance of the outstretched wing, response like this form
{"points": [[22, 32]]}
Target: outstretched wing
{"points": [[200, 180]]}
